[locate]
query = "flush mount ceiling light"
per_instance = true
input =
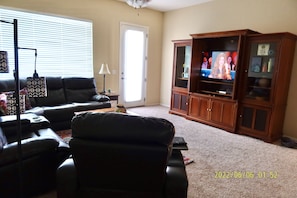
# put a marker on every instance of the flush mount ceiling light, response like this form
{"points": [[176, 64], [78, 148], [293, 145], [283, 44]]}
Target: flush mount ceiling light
{"points": [[137, 3]]}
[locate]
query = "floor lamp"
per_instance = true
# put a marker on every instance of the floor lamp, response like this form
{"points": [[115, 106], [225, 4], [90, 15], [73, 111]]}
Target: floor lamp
{"points": [[18, 110], [35, 84]]}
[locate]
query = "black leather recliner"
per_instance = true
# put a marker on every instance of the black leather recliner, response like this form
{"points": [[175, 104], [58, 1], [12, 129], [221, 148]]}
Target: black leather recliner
{"points": [[42, 152], [120, 155]]}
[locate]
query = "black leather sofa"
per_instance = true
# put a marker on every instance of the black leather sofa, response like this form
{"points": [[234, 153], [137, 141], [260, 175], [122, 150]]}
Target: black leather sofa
{"points": [[42, 152], [119, 155], [65, 96]]}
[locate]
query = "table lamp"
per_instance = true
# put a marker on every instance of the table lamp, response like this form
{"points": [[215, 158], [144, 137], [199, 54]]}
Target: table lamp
{"points": [[104, 70]]}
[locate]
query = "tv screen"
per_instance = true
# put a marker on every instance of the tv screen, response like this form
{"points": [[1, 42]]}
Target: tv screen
{"points": [[220, 65]]}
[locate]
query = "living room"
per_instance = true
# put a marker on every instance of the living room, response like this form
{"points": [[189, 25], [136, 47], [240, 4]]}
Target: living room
{"points": [[165, 27], [264, 16]]}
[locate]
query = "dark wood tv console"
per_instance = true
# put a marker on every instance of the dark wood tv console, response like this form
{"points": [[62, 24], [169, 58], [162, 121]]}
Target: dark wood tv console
{"points": [[247, 97]]}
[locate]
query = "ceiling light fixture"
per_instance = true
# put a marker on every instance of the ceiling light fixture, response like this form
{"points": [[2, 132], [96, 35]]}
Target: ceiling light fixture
{"points": [[137, 3]]}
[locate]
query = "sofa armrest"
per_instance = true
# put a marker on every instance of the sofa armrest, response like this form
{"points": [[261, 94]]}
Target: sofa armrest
{"points": [[67, 179], [176, 182], [30, 147], [100, 98]]}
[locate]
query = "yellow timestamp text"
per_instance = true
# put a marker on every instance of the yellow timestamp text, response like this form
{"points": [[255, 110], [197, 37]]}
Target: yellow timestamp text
{"points": [[245, 174]]}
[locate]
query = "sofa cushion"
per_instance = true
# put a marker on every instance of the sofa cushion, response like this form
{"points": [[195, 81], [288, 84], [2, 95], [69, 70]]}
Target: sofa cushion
{"points": [[59, 113], [79, 95], [54, 97], [9, 85], [55, 93], [79, 89], [79, 83], [30, 147]]}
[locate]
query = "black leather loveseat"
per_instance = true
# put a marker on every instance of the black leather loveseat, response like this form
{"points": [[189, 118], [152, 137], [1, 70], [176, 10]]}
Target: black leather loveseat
{"points": [[64, 97], [118, 155], [42, 152]]}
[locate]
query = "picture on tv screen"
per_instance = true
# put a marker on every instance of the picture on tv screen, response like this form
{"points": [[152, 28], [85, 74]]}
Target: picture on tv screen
{"points": [[221, 65]]}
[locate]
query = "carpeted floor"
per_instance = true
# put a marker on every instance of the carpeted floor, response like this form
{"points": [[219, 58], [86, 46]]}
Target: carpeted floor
{"points": [[231, 165]]}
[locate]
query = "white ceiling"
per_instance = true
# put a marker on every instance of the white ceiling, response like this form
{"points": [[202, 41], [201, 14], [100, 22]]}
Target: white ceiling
{"points": [[167, 5]]}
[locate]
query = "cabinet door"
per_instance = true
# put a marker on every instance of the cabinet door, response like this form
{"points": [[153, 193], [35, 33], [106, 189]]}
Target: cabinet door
{"points": [[254, 121], [179, 103], [181, 63], [223, 113], [260, 72], [199, 107]]}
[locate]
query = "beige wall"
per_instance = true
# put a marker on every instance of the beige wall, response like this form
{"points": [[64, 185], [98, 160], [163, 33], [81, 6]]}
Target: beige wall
{"points": [[265, 16], [106, 16]]}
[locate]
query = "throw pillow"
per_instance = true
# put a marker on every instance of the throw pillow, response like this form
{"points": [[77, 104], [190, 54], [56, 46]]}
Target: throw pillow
{"points": [[24, 91], [7, 102], [3, 104], [11, 101]]}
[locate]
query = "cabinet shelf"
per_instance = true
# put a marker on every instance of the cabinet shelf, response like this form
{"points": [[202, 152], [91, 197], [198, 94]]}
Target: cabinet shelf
{"points": [[216, 93], [183, 78], [217, 82]]}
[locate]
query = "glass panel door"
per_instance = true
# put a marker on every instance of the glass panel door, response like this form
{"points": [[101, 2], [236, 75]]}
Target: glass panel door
{"points": [[133, 63], [261, 70]]}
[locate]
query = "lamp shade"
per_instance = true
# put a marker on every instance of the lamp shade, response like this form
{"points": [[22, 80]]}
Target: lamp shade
{"points": [[3, 62], [104, 69], [36, 87]]}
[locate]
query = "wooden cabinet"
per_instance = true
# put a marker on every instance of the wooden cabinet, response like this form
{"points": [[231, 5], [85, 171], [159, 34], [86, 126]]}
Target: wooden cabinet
{"points": [[216, 62], [266, 79], [215, 68], [214, 111], [255, 121], [179, 102], [234, 80], [180, 77]]}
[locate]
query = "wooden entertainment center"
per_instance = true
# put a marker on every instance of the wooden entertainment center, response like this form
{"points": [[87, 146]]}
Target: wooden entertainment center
{"points": [[247, 96]]}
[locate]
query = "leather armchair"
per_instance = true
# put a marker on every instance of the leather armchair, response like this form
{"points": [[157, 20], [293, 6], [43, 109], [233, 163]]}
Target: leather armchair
{"points": [[120, 155]]}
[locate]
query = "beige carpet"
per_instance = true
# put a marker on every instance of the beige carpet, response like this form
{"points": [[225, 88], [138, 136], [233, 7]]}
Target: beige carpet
{"points": [[246, 167]]}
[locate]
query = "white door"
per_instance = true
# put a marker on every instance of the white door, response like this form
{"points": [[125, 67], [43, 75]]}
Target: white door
{"points": [[133, 61]]}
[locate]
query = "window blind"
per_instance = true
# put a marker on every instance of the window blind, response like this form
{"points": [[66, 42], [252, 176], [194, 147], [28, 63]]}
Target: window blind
{"points": [[64, 46]]}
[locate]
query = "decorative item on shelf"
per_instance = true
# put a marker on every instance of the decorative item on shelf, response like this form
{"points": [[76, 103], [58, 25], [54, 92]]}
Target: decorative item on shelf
{"points": [[3, 62], [264, 82], [137, 3], [270, 65], [103, 71], [121, 108], [264, 67]]}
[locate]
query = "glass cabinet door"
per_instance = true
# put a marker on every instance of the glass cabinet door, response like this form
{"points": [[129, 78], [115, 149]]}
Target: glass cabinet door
{"points": [[260, 70], [182, 65]]}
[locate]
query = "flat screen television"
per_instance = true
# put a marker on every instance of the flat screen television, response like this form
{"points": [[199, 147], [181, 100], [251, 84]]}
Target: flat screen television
{"points": [[220, 65]]}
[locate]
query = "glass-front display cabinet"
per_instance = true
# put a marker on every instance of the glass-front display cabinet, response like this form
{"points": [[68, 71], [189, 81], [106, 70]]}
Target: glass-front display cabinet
{"points": [[266, 80], [263, 56], [180, 78], [181, 63]]}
